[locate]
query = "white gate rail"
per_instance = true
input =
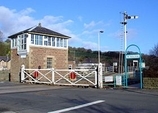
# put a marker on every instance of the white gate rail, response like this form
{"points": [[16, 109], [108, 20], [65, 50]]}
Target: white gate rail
{"points": [[84, 77], [27, 75], [80, 77]]}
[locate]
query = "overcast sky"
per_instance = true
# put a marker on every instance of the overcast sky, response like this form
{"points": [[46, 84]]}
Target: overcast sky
{"points": [[83, 19]]}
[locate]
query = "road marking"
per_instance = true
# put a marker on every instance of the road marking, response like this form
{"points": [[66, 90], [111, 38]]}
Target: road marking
{"points": [[77, 107]]}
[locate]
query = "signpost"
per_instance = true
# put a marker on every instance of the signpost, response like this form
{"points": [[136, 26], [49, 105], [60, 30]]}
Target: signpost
{"points": [[119, 80], [109, 79]]}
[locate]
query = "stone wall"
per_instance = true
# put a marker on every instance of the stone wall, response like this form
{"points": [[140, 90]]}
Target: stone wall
{"points": [[16, 62], [39, 55], [150, 83]]}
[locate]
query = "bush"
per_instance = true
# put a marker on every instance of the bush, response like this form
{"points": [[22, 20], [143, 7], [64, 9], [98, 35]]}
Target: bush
{"points": [[152, 62], [150, 73], [4, 75]]}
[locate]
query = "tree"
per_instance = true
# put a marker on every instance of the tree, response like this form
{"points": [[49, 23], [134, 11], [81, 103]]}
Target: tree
{"points": [[154, 50], [5, 48], [89, 51], [81, 49], [151, 61]]}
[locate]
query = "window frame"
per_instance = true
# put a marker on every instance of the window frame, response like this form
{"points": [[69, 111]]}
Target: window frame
{"points": [[49, 62], [22, 42], [44, 40]]}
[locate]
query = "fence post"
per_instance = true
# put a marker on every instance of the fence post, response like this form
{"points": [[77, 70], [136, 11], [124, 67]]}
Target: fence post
{"points": [[96, 78], [97, 69], [100, 75], [53, 75], [22, 73]]}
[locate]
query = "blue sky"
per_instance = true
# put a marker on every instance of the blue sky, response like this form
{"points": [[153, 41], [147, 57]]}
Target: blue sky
{"points": [[83, 19]]}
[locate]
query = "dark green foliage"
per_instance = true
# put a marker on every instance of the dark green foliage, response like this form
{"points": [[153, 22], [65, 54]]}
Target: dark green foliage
{"points": [[83, 55], [151, 62], [5, 48]]}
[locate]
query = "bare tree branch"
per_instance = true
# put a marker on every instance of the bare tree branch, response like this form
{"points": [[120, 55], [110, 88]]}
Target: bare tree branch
{"points": [[154, 51]]}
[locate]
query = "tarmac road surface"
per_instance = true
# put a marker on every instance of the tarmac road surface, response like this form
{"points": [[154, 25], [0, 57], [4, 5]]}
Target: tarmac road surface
{"points": [[35, 98]]}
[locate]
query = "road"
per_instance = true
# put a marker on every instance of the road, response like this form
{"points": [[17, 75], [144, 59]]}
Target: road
{"points": [[34, 98]]}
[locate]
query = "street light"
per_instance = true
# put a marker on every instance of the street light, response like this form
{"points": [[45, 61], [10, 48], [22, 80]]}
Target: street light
{"points": [[99, 46], [99, 76], [126, 17]]}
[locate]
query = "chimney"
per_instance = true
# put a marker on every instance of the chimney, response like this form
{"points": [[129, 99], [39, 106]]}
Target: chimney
{"points": [[39, 24]]}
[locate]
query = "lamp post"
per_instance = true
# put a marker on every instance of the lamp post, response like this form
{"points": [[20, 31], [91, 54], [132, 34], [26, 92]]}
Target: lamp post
{"points": [[99, 76], [99, 46]]}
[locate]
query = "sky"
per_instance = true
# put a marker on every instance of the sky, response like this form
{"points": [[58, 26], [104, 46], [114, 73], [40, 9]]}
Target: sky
{"points": [[83, 20]]}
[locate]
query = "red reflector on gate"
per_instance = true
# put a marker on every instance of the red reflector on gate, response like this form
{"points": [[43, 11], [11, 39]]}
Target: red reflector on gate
{"points": [[72, 75]]}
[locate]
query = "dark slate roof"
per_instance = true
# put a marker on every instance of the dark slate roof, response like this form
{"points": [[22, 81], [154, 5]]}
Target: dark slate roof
{"points": [[40, 30], [4, 58]]}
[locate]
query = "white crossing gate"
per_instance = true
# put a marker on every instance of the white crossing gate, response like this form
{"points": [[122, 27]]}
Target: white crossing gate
{"points": [[76, 77]]}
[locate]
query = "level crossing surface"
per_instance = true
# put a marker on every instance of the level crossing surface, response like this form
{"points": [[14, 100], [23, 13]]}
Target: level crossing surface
{"points": [[36, 98]]}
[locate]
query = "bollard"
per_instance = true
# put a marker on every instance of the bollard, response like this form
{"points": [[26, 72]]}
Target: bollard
{"points": [[20, 76], [9, 77], [97, 78]]}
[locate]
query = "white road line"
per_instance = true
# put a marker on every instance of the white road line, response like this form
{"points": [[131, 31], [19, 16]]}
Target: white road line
{"points": [[77, 107]]}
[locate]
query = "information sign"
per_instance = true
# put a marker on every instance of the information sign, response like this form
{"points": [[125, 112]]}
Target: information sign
{"points": [[133, 56]]}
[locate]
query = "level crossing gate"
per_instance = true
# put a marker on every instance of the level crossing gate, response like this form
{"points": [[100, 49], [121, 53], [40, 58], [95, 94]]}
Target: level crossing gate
{"points": [[74, 77]]}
